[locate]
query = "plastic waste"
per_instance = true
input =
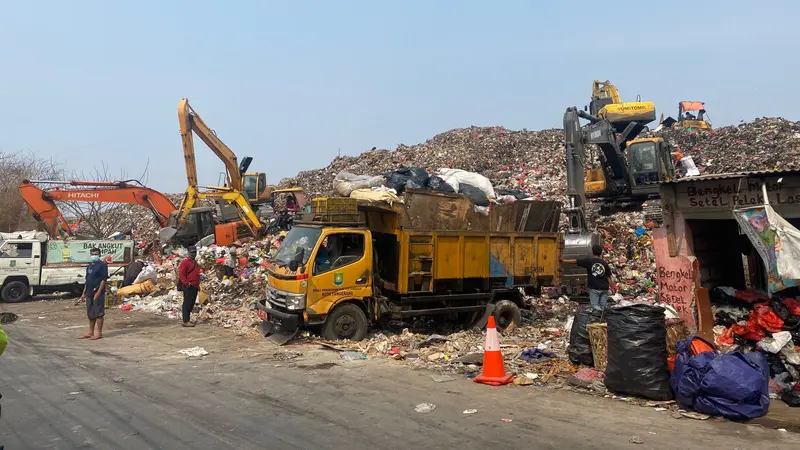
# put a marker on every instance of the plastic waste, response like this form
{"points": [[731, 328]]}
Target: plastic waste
{"points": [[473, 179], [345, 182], [424, 408], [775, 343], [580, 349], [352, 355], [637, 352]]}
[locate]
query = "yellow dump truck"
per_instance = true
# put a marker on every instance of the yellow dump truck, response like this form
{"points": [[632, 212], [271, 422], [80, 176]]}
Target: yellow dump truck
{"points": [[349, 264]]}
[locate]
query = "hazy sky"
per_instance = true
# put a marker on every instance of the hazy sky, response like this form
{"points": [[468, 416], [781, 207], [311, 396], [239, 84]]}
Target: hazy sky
{"points": [[291, 83]]}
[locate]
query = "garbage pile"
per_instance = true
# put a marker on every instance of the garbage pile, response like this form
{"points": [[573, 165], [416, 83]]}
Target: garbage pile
{"points": [[763, 144], [533, 160], [752, 322], [232, 278], [538, 347]]}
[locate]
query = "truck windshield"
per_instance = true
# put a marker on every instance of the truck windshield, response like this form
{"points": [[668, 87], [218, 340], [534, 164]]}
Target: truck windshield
{"points": [[298, 237]]}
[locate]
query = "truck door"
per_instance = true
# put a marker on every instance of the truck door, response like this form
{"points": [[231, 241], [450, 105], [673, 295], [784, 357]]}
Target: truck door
{"points": [[342, 269], [18, 258]]}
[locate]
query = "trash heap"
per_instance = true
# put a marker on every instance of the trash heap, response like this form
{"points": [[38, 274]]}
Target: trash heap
{"points": [[538, 346], [232, 279], [752, 322], [763, 144]]}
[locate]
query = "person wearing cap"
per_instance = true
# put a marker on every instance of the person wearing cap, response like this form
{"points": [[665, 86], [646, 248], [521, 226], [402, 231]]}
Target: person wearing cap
{"points": [[189, 276]]}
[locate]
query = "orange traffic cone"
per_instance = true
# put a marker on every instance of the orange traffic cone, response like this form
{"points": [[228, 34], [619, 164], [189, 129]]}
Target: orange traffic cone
{"points": [[494, 372]]}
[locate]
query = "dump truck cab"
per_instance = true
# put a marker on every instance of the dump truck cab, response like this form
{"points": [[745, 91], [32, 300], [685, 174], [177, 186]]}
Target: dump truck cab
{"points": [[317, 269]]}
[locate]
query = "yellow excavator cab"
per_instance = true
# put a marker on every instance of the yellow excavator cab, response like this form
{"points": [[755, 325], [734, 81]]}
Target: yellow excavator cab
{"points": [[254, 186]]}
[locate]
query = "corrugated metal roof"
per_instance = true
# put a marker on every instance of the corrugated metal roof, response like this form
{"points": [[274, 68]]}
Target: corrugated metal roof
{"points": [[734, 175]]}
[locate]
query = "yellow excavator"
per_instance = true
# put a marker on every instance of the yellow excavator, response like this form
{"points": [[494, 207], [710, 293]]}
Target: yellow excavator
{"points": [[691, 115], [229, 197]]}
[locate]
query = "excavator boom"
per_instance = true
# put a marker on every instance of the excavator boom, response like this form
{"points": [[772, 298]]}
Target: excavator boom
{"points": [[42, 202], [190, 122]]}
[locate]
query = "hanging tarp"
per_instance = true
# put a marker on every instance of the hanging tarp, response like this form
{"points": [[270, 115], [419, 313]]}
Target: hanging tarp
{"points": [[777, 242], [787, 245]]}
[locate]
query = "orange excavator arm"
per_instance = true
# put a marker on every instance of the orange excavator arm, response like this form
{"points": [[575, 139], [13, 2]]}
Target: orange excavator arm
{"points": [[42, 202]]}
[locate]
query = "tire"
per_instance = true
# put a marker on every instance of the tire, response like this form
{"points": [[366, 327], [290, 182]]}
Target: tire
{"points": [[346, 321], [15, 291], [506, 315]]}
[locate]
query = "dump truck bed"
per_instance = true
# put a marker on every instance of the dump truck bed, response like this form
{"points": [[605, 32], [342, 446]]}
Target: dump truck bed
{"points": [[441, 243], [468, 261]]}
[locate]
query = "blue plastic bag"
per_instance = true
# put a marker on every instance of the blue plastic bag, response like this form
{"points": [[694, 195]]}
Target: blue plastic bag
{"points": [[734, 386]]}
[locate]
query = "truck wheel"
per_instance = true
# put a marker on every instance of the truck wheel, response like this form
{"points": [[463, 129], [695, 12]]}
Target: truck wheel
{"points": [[13, 292], [346, 321], [507, 315]]}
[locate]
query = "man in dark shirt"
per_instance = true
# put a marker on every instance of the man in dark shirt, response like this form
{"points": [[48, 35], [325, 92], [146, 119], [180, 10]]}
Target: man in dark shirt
{"points": [[598, 277], [94, 292]]}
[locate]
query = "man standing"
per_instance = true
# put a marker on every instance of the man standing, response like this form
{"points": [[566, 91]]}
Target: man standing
{"points": [[189, 276], [94, 293], [598, 275]]}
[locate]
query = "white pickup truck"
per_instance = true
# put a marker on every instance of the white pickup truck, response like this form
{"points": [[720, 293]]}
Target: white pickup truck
{"points": [[29, 266]]}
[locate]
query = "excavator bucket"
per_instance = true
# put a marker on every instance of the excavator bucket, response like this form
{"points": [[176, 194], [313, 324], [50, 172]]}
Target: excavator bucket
{"points": [[668, 122], [166, 234]]}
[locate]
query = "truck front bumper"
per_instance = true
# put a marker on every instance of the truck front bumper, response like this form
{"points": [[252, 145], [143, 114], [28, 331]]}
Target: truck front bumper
{"points": [[279, 327]]}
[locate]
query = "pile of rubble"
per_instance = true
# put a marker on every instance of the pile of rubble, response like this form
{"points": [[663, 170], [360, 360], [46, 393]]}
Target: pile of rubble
{"points": [[533, 160], [763, 144], [232, 279]]}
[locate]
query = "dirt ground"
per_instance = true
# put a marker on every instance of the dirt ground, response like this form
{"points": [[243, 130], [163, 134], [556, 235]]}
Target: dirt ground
{"points": [[134, 390]]}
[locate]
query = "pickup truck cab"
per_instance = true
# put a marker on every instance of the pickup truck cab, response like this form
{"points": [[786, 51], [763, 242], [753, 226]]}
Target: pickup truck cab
{"points": [[32, 266]]}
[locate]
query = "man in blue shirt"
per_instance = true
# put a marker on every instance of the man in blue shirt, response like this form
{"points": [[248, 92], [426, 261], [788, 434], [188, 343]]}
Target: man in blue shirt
{"points": [[94, 292]]}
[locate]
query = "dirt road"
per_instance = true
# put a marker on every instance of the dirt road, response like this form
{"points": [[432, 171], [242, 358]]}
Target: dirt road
{"points": [[133, 390]]}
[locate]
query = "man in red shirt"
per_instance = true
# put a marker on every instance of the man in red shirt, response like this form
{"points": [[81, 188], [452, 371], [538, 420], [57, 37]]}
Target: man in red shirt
{"points": [[189, 276]]}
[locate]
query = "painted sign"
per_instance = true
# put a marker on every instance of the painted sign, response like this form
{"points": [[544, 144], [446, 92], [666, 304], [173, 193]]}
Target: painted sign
{"points": [[676, 278], [78, 252], [738, 193]]}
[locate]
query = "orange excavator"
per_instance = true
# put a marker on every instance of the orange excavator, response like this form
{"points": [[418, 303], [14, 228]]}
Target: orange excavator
{"points": [[44, 209]]}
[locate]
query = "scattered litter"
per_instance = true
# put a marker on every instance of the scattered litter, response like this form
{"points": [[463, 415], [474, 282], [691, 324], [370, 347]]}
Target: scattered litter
{"points": [[118, 379], [695, 415], [76, 393], [660, 409], [424, 408], [523, 381], [193, 352], [635, 440], [532, 376], [507, 420], [351, 355], [470, 411], [442, 378]]}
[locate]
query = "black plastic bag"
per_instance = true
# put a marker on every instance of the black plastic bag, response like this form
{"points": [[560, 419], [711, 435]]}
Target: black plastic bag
{"points": [[399, 179], [439, 185], [518, 194], [478, 196], [580, 349], [780, 309], [637, 352], [776, 365], [791, 398]]}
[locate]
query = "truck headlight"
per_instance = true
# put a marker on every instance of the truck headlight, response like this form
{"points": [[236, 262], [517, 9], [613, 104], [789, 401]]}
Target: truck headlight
{"points": [[295, 301]]}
